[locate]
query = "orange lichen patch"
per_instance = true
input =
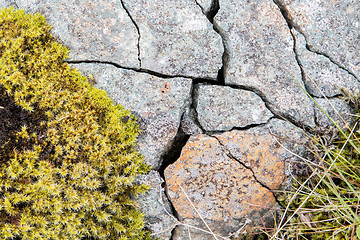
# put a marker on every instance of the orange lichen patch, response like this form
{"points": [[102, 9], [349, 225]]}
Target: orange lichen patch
{"points": [[220, 188], [258, 150]]}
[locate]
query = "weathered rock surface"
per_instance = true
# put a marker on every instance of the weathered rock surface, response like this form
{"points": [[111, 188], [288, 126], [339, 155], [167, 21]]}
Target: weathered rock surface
{"points": [[334, 108], [260, 55], [330, 27], [92, 30], [222, 108], [205, 5], [176, 38], [222, 190], [158, 103], [223, 173], [189, 123], [328, 77], [156, 207], [7, 3]]}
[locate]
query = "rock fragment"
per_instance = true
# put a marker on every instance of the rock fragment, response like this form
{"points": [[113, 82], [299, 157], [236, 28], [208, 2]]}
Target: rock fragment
{"points": [[334, 108], [92, 30], [176, 38], [330, 27], [157, 103], [328, 77], [260, 55], [222, 108], [222, 190], [156, 207]]}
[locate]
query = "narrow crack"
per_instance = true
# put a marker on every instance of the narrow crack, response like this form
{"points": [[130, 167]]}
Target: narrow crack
{"points": [[311, 49], [290, 21], [229, 154], [247, 127], [140, 70], [278, 115], [137, 28]]}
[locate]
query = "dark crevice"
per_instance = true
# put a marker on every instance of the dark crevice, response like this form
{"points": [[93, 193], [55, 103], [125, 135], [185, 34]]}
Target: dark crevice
{"points": [[140, 70], [194, 97], [210, 15], [137, 28], [287, 16], [174, 152], [247, 127]]}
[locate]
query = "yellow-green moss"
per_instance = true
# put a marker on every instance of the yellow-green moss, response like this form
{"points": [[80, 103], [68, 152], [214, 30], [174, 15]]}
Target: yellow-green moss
{"points": [[68, 172]]}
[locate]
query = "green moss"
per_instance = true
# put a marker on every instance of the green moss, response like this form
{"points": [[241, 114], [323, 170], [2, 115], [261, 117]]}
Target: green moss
{"points": [[68, 162]]}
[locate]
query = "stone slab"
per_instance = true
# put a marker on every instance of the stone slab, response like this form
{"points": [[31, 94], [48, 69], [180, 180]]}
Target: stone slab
{"points": [[222, 108], [222, 190], [92, 30], [176, 38], [260, 55], [157, 103], [321, 73], [330, 27]]}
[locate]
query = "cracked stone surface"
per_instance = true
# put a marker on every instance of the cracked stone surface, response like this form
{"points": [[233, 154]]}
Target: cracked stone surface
{"points": [[334, 108], [260, 55], [189, 124], [222, 108], [205, 5], [330, 27], [157, 103], [156, 206], [176, 38], [92, 30], [227, 175], [222, 190], [327, 76], [161, 59]]}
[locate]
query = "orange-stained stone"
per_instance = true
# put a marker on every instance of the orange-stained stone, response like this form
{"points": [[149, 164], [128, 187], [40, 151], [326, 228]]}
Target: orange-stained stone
{"points": [[221, 189], [258, 150]]}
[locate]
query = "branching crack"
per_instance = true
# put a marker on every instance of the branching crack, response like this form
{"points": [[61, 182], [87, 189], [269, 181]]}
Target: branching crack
{"points": [[137, 28], [290, 21]]}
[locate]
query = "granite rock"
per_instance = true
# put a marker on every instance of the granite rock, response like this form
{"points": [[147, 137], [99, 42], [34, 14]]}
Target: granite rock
{"points": [[222, 190], [156, 207], [334, 108], [205, 5], [157, 103], [319, 70], [260, 55], [189, 124], [8, 3], [222, 108], [330, 27], [92, 30], [176, 38]]}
